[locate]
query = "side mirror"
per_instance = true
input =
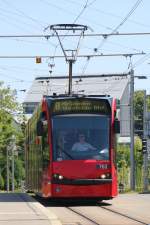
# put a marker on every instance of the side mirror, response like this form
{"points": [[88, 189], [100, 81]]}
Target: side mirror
{"points": [[117, 126], [39, 128]]}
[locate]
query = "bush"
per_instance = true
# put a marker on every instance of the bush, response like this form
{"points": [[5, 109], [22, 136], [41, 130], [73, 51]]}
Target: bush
{"points": [[2, 183]]}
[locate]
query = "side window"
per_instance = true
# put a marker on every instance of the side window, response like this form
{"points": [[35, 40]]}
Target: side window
{"points": [[45, 146], [45, 141]]}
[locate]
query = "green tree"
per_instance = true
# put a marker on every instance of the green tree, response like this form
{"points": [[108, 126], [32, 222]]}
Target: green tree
{"points": [[123, 163], [123, 151], [1, 182], [19, 171], [138, 162], [138, 112], [10, 119]]}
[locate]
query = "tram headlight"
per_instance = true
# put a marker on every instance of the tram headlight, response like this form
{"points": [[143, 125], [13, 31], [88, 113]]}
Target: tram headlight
{"points": [[60, 177], [103, 176]]}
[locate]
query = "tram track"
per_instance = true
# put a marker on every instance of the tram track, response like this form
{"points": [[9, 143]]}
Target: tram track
{"points": [[84, 216], [109, 210], [91, 214], [124, 215]]}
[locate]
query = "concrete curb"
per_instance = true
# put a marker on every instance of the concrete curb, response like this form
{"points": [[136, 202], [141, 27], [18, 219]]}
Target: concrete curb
{"points": [[36, 205]]}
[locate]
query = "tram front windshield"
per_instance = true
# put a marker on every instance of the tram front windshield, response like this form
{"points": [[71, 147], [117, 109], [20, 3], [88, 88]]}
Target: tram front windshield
{"points": [[80, 137]]}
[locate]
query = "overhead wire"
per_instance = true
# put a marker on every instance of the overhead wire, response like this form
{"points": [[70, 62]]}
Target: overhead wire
{"points": [[85, 67], [13, 69], [122, 22], [23, 13], [124, 46], [118, 26], [74, 35], [23, 69], [141, 60], [108, 13], [33, 42], [5, 14], [88, 56], [72, 13], [12, 23], [14, 17], [86, 5], [114, 30], [82, 11], [14, 78], [128, 15]]}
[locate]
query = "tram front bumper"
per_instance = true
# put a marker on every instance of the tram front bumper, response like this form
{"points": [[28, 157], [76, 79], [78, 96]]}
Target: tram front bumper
{"points": [[81, 181]]}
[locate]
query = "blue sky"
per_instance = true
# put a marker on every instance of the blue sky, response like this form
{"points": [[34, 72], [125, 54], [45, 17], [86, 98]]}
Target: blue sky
{"points": [[103, 16]]}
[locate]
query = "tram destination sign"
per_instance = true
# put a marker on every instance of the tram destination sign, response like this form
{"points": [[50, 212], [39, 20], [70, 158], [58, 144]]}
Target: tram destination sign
{"points": [[70, 106]]}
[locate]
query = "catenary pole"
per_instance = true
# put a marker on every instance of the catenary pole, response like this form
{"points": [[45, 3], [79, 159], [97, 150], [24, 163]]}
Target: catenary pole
{"points": [[13, 149], [145, 153], [132, 159], [7, 168], [13, 185]]}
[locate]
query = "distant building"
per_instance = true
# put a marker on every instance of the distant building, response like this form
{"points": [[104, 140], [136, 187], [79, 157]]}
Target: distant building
{"points": [[116, 86]]}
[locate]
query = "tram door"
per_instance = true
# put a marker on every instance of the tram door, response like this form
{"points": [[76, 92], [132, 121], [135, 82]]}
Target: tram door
{"points": [[44, 150]]}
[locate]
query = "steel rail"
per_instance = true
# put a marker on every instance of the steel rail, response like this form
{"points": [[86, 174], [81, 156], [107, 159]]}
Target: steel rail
{"points": [[124, 215]]}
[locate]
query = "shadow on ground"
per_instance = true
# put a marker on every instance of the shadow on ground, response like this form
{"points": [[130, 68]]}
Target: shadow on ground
{"points": [[70, 202], [15, 197]]}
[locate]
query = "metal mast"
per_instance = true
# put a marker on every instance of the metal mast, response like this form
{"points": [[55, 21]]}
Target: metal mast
{"points": [[145, 151], [132, 158]]}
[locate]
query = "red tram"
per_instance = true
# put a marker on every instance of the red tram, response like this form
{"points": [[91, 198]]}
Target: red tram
{"points": [[58, 164]]}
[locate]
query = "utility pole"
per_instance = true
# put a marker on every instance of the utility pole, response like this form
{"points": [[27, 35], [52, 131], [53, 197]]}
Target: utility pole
{"points": [[132, 158], [145, 152], [13, 148], [12, 165], [7, 168]]}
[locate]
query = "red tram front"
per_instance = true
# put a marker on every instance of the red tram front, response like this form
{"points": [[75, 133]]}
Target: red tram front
{"points": [[70, 148]]}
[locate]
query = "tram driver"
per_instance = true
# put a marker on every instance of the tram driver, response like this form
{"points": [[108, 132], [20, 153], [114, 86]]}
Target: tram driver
{"points": [[82, 145]]}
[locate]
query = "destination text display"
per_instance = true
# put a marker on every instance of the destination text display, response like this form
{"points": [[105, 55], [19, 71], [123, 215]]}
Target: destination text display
{"points": [[69, 106]]}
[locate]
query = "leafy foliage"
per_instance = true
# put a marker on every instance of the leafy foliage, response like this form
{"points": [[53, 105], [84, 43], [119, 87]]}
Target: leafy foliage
{"points": [[123, 163], [10, 119], [123, 151], [138, 112], [138, 103], [1, 182]]}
